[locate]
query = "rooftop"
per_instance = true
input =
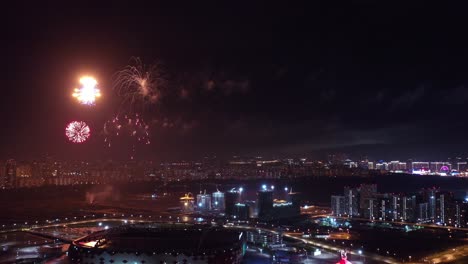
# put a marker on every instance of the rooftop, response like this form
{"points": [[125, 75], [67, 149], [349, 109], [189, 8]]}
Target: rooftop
{"points": [[159, 238]]}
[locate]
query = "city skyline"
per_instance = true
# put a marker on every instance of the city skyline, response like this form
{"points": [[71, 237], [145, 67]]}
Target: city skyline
{"points": [[229, 132], [52, 172]]}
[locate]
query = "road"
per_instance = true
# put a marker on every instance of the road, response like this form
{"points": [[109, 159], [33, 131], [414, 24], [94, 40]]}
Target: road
{"points": [[397, 223], [448, 255], [375, 257], [445, 256]]}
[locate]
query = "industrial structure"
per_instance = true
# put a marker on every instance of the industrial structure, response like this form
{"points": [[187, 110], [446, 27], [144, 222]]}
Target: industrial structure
{"points": [[160, 243], [204, 201], [218, 200], [187, 203]]}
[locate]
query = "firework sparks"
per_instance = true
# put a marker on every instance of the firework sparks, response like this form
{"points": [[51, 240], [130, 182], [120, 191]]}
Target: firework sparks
{"points": [[77, 131], [88, 92], [138, 86], [132, 126]]}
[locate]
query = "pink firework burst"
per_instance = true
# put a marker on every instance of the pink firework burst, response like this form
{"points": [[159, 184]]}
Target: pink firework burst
{"points": [[77, 131]]}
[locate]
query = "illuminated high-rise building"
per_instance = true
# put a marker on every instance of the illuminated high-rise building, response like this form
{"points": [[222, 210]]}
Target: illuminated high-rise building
{"points": [[371, 210], [442, 207], [444, 202], [423, 214], [395, 204], [351, 201], [461, 213], [217, 200], [385, 208], [432, 207], [338, 205], [409, 208], [429, 196]]}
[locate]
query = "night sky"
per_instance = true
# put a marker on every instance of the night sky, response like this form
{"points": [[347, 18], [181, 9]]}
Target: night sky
{"points": [[387, 81]]}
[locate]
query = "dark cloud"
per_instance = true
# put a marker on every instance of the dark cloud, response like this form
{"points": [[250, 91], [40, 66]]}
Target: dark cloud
{"points": [[327, 95], [457, 96], [231, 86], [184, 93], [408, 99], [210, 85]]}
